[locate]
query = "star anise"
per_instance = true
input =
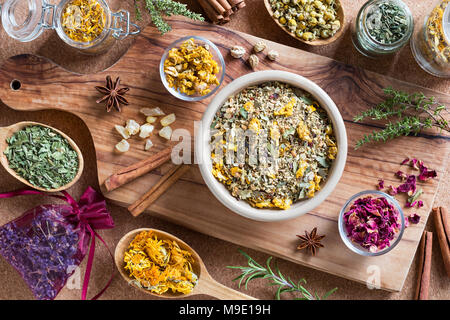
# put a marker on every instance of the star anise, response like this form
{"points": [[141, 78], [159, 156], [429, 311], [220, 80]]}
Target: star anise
{"points": [[113, 95], [310, 241]]}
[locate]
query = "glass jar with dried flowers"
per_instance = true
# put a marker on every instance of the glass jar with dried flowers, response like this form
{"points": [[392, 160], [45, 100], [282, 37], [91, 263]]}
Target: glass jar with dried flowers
{"points": [[87, 25]]}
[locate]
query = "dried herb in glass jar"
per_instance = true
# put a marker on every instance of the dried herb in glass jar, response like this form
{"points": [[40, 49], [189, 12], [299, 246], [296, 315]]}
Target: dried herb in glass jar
{"points": [[386, 22], [83, 20]]}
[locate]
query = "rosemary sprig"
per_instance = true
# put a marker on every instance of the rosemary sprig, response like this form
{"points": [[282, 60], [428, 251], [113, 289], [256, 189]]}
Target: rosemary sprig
{"points": [[414, 112], [158, 8], [254, 270]]}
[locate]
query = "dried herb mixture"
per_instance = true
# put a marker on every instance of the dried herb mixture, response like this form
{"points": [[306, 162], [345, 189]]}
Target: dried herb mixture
{"points": [[42, 157], [272, 145]]}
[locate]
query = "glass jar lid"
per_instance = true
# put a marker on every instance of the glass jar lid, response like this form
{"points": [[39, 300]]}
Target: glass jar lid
{"points": [[25, 20]]}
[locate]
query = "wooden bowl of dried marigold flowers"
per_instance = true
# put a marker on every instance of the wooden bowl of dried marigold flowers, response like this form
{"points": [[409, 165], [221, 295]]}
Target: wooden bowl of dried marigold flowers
{"points": [[158, 263]]}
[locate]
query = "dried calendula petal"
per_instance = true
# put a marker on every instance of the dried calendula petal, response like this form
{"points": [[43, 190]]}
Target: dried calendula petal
{"points": [[237, 52], [259, 46], [253, 60], [168, 119], [122, 131], [166, 132], [152, 112], [132, 127], [148, 144], [146, 130], [123, 146]]}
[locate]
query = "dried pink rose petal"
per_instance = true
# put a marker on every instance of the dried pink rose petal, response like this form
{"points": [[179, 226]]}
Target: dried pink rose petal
{"points": [[401, 175], [405, 161], [409, 185], [419, 204], [392, 190], [411, 205], [426, 174], [415, 163], [372, 222], [414, 218], [380, 184]]}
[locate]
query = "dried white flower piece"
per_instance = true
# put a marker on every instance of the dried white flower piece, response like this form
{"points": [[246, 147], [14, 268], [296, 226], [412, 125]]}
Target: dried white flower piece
{"points": [[148, 144], [259, 46], [168, 119], [146, 129], [151, 119], [166, 132], [237, 52], [123, 146], [253, 60], [122, 131], [273, 55], [152, 112], [132, 127]]}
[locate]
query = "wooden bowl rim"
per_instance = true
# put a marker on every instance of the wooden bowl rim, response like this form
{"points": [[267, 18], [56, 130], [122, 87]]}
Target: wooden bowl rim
{"points": [[319, 42], [19, 126]]}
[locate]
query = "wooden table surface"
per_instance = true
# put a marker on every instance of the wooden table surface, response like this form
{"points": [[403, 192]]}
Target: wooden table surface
{"points": [[218, 254]]}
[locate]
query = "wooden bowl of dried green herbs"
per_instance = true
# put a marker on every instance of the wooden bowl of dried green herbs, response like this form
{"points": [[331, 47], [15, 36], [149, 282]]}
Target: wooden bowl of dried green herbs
{"points": [[40, 156]]}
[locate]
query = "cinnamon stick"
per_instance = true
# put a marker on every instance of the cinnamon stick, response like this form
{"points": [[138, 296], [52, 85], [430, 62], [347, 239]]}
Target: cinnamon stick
{"points": [[210, 11], [440, 216], [158, 189], [138, 169], [234, 3], [423, 281], [217, 6], [226, 5]]}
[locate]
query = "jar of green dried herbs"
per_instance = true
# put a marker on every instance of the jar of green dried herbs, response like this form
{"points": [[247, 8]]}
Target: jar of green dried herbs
{"points": [[382, 27], [431, 44]]}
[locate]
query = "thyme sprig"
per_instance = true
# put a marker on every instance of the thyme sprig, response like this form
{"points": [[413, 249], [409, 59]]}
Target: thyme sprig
{"points": [[158, 8], [254, 270], [414, 112]]}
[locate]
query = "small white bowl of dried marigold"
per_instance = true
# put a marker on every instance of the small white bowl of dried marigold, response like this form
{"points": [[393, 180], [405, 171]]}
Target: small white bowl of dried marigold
{"points": [[272, 146]]}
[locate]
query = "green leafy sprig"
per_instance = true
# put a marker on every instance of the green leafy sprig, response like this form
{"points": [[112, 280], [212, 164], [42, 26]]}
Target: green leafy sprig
{"points": [[414, 112], [254, 270], [158, 8]]}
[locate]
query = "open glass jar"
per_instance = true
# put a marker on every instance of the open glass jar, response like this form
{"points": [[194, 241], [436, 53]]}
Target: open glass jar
{"points": [[431, 44], [25, 20], [373, 34]]}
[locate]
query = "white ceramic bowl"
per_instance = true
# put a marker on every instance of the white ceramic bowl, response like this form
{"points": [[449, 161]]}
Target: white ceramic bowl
{"points": [[203, 153]]}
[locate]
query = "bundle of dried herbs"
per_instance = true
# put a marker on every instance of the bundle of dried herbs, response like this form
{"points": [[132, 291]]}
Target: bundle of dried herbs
{"points": [[412, 113], [158, 8], [42, 157], [387, 22], [254, 270]]}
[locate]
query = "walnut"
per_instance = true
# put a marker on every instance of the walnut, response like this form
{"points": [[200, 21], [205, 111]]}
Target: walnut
{"points": [[273, 55], [259, 46], [253, 60], [237, 52]]}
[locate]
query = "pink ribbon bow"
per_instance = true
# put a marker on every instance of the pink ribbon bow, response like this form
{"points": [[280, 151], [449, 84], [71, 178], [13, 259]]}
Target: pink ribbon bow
{"points": [[89, 214]]}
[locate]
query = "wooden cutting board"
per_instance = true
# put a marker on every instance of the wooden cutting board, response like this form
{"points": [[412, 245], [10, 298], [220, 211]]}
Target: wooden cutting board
{"points": [[189, 202]]}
